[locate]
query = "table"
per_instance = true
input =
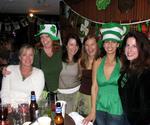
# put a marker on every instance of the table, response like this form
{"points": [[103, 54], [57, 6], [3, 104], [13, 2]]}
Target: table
{"points": [[68, 121]]}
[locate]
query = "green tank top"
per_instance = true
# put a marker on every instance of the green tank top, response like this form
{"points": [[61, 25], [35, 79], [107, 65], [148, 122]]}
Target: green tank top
{"points": [[108, 99]]}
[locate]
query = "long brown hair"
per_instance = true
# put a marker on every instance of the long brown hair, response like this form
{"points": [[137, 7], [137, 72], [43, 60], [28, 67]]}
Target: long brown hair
{"points": [[143, 60], [84, 57]]}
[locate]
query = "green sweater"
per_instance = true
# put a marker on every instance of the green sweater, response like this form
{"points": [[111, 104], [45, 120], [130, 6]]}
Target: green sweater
{"points": [[51, 67]]}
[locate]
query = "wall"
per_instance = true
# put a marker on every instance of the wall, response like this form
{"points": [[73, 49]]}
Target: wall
{"points": [[87, 8]]}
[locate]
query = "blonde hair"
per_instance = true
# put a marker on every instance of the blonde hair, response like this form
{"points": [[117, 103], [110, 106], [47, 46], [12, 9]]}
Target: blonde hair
{"points": [[25, 47]]}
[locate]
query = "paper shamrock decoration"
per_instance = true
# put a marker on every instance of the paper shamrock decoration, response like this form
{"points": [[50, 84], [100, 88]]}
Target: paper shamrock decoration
{"points": [[102, 4], [84, 28]]}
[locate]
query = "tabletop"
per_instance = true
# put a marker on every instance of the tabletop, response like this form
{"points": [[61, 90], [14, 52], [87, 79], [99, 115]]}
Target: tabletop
{"points": [[11, 120]]}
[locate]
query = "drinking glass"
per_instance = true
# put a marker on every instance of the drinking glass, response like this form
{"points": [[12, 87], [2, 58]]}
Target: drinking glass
{"points": [[44, 108], [3, 112], [23, 110]]}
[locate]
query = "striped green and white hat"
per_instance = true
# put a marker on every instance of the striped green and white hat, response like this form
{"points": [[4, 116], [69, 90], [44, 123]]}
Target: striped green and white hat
{"points": [[112, 32]]}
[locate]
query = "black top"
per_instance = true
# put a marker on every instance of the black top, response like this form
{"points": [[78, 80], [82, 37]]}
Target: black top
{"points": [[86, 82], [134, 92]]}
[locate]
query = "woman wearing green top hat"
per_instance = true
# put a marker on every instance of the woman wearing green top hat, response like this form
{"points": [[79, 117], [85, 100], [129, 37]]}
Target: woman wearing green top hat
{"points": [[48, 58], [106, 105]]}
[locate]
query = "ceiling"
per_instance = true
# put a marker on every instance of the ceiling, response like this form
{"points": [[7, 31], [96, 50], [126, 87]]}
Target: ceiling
{"points": [[48, 7]]}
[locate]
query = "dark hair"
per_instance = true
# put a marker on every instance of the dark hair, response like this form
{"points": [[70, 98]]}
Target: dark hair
{"points": [[103, 52], [143, 60], [64, 50], [84, 56]]}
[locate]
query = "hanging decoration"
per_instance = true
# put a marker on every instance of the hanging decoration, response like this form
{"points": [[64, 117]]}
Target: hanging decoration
{"points": [[84, 30], [7, 27], [12, 25], [102, 4], [96, 22], [143, 27], [73, 19], [67, 8], [98, 33], [16, 25], [24, 22], [125, 5], [81, 23]]}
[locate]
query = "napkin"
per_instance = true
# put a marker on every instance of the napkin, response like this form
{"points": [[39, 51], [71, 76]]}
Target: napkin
{"points": [[78, 118], [27, 123]]}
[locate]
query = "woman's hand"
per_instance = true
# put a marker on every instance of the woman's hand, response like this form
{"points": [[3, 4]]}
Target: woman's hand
{"points": [[90, 118], [5, 72]]}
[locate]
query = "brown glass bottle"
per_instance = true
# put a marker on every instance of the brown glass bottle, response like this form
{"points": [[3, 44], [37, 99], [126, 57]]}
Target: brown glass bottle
{"points": [[58, 119], [34, 111]]}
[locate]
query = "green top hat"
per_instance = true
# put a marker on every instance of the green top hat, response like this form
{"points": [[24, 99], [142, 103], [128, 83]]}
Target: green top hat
{"points": [[112, 32], [49, 29]]}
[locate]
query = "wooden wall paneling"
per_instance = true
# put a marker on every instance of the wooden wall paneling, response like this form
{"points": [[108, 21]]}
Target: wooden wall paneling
{"points": [[87, 8]]}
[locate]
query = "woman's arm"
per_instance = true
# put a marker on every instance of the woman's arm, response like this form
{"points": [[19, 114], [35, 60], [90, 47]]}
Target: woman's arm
{"points": [[39, 83], [5, 91]]}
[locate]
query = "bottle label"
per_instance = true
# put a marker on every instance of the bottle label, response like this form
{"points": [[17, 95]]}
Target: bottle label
{"points": [[33, 98], [58, 110]]}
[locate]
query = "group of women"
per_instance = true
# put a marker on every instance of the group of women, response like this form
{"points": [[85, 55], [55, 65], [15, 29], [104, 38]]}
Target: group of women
{"points": [[107, 82]]}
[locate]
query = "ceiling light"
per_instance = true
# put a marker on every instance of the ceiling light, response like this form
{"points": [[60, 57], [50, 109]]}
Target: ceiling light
{"points": [[31, 14]]}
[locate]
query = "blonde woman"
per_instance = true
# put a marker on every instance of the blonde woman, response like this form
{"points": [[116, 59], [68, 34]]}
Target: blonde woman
{"points": [[24, 78]]}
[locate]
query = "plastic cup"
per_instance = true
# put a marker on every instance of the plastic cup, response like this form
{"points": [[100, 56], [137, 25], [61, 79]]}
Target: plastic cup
{"points": [[44, 120]]}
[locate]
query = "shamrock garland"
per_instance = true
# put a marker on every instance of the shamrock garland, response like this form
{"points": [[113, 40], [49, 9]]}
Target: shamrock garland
{"points": [[53, 29], [84, 28], [42, 27], [102, 4]]}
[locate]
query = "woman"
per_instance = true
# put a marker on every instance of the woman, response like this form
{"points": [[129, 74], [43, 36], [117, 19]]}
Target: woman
{"points": [[134, 82], [90, 52], [106, 104], [24, 78], [69, 81], [48, 56]]}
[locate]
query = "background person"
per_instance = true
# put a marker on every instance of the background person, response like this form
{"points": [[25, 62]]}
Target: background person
{"points": [[134, 82]]}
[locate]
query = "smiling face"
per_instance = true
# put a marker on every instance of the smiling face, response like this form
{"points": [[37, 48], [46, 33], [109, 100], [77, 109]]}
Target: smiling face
{"points": [[131, 50], [26, 57], [91, 47], [46, 40], [110, 47], [72, 47]]}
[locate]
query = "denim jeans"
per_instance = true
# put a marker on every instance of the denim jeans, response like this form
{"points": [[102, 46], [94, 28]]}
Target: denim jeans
{"points": [[103, 118]]}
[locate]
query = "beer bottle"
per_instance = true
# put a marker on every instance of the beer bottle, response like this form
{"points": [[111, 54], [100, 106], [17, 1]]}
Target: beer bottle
{"points": [[34, 111], [58, 119]]}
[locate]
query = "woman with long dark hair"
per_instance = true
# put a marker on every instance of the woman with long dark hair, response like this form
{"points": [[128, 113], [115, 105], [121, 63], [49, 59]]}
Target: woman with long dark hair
{"points": [[134, 82]]}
